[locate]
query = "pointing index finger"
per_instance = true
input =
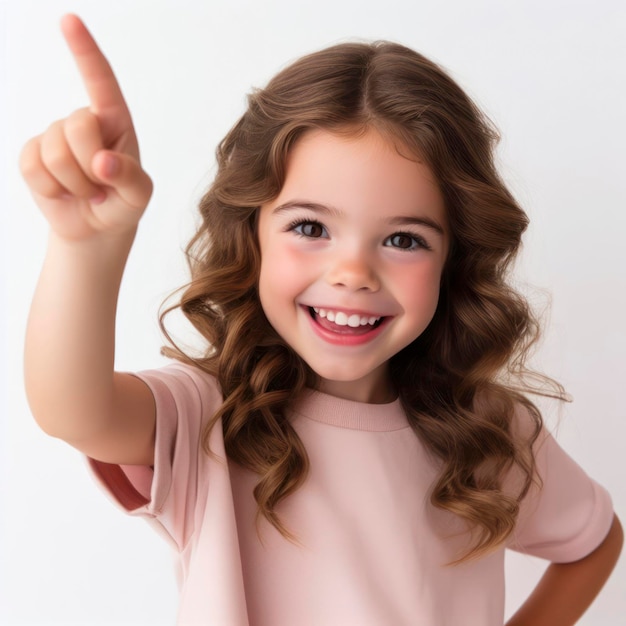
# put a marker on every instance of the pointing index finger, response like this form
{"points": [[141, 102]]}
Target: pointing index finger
{"points": [[102, 87]]}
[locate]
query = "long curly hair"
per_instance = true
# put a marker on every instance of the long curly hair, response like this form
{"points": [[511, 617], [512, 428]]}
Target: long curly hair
{"points": [[461, 380]]}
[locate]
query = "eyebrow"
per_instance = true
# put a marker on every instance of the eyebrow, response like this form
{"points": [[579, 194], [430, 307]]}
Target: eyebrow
{"points": [[400, 220]]}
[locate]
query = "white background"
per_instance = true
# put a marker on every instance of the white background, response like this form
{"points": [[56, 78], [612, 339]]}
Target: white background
{"points": [[550, 73]]}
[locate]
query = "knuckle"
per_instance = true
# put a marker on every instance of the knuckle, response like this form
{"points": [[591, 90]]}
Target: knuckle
{"points": [[56, 159], [35, 173], [54, 129], [29, 161], [80, 123], [55, 153]]}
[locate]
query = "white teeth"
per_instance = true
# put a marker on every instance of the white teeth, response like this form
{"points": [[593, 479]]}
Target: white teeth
{"points": [[342, 319], [354, 321]]}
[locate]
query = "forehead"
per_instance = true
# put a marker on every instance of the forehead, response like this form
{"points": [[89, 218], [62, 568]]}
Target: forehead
{"points": [[366, 169]]}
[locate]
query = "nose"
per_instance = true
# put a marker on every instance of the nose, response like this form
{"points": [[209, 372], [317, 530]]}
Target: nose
{"points": [[354, 273]]}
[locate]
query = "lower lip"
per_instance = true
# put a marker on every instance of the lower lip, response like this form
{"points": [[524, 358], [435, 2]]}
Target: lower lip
{"points": [[347, 339]]}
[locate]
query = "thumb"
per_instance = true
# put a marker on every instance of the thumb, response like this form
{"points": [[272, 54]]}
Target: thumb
{"points": [[125, 175]]}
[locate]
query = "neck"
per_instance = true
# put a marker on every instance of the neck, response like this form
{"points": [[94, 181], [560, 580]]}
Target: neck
{"points": [[357, 391]]}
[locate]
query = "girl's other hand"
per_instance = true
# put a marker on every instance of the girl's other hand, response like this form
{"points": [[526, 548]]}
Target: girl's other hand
{"points": [[84, 171]]}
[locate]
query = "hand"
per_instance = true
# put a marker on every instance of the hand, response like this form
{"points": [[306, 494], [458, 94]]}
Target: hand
{"points": [[84, 171]]}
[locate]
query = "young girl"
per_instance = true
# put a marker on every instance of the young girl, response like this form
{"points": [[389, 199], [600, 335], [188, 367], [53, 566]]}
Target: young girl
{"points": [[353, 445]]}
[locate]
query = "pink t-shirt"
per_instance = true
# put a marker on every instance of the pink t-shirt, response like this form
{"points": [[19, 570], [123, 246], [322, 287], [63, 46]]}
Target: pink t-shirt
{"points": [[373, 551]]}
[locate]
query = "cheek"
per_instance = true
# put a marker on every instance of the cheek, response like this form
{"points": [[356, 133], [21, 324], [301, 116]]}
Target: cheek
{"points": [[419, 290], [280, 264], [283, 272]]}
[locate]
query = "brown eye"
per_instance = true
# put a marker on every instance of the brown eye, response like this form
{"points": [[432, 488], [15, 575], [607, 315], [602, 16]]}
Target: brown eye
{"points": [[313, 230], [407, 242], [403, 241]]}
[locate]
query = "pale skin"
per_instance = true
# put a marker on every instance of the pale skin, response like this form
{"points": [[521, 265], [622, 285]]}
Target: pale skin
{"points": [[86, 177]]}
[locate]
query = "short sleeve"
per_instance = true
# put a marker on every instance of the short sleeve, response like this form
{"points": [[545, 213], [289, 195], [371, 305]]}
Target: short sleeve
{"points": [[166, 492], [567, 515]]}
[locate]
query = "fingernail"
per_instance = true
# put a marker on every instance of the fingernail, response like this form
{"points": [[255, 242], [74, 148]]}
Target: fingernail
{"points": [[110, 166]]}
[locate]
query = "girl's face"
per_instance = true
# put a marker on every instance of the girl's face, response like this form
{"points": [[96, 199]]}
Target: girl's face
{"points": [[352, 252]]}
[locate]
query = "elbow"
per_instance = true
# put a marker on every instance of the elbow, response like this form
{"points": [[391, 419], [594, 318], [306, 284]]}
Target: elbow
{"points": [[69, 421]]}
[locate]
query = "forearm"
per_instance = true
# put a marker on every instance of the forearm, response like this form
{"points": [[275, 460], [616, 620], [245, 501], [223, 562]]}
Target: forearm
{"points": [[70, 340], [567, 589]]}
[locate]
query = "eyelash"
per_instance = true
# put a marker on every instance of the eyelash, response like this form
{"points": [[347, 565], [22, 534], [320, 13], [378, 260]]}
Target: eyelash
{"points": [[418, 241], [298, 223]]}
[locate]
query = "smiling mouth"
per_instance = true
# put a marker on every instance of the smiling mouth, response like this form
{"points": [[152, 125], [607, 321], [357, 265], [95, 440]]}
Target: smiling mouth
{"points": [[342, 323]]}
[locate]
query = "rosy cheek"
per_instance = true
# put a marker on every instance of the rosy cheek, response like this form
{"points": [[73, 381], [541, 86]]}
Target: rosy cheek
{"points": [[282, 275], [293, 250], [283, 263], [297, 257], [423, 274]]}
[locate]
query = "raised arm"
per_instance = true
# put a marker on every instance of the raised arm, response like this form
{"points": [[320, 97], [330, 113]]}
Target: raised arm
{"points": [[85, 175]]}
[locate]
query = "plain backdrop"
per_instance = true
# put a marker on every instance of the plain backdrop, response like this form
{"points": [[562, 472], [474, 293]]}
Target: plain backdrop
{"points": [[551, 75]]}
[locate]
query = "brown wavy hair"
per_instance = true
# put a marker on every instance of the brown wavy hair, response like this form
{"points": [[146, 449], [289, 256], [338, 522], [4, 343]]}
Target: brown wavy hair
{"points": [[461, 380]]}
